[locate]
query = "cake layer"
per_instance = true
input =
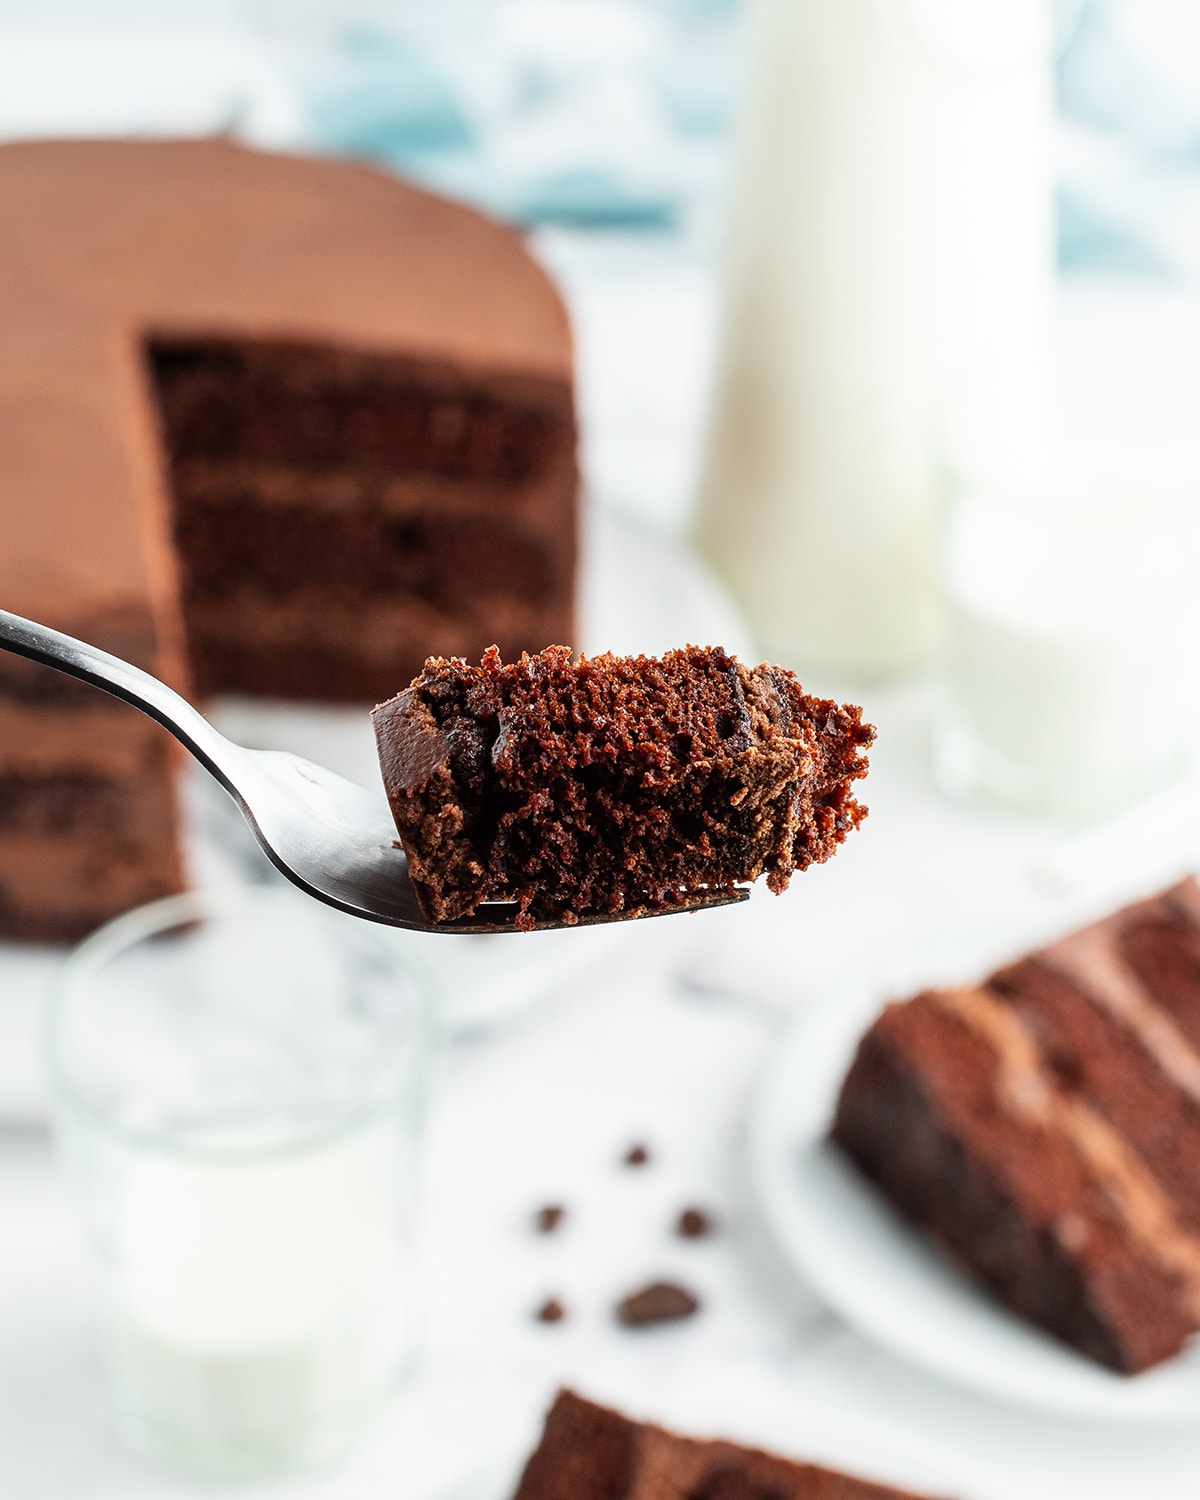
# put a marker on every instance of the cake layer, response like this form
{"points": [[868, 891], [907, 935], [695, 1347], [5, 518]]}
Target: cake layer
{"points": [[112, 740], [617, 784], [78, 847], [288, 465], [1094, 1054], [949, 1109], [1159, 942], [309, 649], [286, 403], [589, 1452], [57, 889], [341, 489], [1113, 1007], [132, 810], [457, 563], [374, 626]]}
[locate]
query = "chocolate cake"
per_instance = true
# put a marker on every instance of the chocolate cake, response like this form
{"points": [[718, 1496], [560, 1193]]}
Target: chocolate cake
{"points": [[268, 425], [1045, 1127], [615, 785], [589, 1452]]}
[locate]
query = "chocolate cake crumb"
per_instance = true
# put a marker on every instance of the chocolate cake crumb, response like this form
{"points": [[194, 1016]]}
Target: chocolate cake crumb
{"points": [[660, 1302], [637, 1155], [549, 1218], [693, 1224], [551, 1311], [613, 786]]}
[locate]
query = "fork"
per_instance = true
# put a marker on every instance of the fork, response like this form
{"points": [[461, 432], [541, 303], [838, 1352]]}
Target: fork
{"points": [[332, 838]]}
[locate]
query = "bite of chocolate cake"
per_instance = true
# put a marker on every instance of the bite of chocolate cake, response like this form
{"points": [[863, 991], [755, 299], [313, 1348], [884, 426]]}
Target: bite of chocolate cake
{"points": [[613, 785]]}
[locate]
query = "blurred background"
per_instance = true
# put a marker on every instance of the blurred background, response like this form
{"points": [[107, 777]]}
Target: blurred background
{"points": [[911, 410], [610, 124]]}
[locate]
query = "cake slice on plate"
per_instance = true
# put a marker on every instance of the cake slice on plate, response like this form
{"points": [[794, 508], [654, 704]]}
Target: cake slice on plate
{"points": [[615, 784], [1045, 1127], [589, 1452]]}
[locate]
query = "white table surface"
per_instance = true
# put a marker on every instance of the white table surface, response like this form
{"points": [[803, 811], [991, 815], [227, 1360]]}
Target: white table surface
{"points": [[663, 1042], [663, 1045]]}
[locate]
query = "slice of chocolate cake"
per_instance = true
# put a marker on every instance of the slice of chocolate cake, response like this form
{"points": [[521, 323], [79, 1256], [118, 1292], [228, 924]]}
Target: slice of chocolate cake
{"points": [[612, 784], [1045, 1126], [589, 1452]]}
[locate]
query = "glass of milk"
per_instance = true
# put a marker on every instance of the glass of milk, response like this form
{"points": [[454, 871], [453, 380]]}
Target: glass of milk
{"points": [[1071, 620], [238, 1079]]}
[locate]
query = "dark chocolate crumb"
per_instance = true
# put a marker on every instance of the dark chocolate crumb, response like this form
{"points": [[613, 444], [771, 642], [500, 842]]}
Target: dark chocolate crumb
{"points": [[693, 1224], [549, 1218], [660, 1302], [637, 1155], [551, 1311]]}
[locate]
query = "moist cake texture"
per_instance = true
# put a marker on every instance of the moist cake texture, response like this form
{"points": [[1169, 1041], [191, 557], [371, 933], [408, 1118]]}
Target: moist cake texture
{"points": [[1045, 1127], [590, 1452], [268, 425], [612, 784]]}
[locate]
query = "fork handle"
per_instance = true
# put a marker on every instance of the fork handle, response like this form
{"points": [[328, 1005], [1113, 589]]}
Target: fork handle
{"points": [[123, 680]]}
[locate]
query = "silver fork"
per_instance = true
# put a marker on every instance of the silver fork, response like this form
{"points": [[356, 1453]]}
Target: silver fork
{"points": [[333, 839]]}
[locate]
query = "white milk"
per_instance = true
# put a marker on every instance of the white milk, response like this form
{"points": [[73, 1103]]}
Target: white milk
{"points": [[260, 1306], [1069, 643], [890, 248]]}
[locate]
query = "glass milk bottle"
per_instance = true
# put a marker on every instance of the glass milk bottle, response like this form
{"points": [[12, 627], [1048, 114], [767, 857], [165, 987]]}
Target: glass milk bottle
{"points": [[889, 246]]}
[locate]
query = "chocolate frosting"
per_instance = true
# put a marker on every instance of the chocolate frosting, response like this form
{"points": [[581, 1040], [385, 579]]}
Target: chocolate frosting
{"points": [[1025, 1088], [1092, 960], [104, 244], [412, 749]]}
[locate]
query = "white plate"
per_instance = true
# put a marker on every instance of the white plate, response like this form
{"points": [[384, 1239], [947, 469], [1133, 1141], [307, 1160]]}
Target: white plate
{"points": [[882, 1277]]}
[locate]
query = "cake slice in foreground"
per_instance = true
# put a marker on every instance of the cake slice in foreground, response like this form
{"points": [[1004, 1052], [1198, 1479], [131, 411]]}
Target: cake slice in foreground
{"points": [[1045, 1127], [588, 1452], [612, 785]]}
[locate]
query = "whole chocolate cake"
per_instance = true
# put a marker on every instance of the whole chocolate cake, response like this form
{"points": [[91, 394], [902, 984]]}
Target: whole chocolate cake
{"points": [[590, 1452], [612, 784], [1045, 1127], [268, 425]]}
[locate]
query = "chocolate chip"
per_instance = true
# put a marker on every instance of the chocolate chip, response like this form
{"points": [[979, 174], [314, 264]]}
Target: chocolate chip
{"points": [[637, 1155], [551, 1311], [549, 1218], [693, 1224], [660, 1302]]}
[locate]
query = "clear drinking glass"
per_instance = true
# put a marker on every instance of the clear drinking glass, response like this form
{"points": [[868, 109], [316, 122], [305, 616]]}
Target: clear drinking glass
{"points": [[1071, 637], [237, 1079]]}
